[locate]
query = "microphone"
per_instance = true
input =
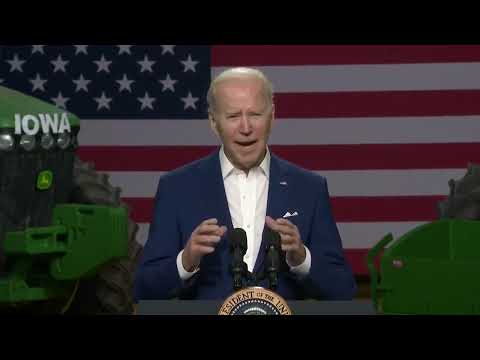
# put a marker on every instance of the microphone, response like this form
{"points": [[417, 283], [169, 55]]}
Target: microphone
{"points": [[272, 264], [238, 248]]}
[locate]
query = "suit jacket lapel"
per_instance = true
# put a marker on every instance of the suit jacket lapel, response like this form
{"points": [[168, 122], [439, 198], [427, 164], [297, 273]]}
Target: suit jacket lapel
{"points": [[276, 202], [215, 201], [214, 191]]}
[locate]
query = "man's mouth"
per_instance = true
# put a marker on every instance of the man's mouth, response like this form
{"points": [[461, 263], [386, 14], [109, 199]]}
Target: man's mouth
{"points": [[245, 143]]}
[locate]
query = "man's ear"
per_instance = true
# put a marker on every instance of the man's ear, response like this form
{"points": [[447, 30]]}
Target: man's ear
{"points": [[272, 116], [213, 123]]}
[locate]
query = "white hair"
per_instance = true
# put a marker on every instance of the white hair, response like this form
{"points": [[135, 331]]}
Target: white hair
{"points": [[239, 72]]}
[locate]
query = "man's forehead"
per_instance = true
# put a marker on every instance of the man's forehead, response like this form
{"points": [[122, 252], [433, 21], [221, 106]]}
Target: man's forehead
{"points": [[244, 88], [228, 104], [230, 84]]}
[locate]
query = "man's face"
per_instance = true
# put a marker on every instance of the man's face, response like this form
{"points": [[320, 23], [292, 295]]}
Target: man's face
{"points": [[242, 120]]}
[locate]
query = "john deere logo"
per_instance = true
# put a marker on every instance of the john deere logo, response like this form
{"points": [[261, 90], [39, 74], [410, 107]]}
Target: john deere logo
{"points": [[254, 301], [44, 180]]}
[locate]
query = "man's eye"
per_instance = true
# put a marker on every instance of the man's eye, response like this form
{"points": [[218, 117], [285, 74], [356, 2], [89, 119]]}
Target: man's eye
{"points": [[233, 116]]}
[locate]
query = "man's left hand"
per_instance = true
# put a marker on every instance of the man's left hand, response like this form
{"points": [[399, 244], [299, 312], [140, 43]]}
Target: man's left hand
{"points": [[290, 240]]}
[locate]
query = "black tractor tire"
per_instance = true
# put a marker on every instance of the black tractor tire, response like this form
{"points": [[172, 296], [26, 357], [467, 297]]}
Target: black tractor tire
{"points": [[111, 290], [5, 223]]}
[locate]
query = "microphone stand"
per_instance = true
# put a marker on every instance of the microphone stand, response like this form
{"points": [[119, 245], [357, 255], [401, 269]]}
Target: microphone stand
{"points": [[272, 265], [238, 247], [239, 270]]}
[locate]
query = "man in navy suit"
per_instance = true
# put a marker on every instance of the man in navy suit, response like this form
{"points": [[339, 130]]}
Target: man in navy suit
{"points": [[242, 185]]}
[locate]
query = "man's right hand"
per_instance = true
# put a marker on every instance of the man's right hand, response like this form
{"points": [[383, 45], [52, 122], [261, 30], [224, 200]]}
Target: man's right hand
{"points": [[203, 241]]}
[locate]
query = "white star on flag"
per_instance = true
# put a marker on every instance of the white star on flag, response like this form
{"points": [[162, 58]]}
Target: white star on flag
{"points": [[124, 49], [60, 101], [59, 64], [167, 49], [38, 83], [189, 101], [81, 83], [103, 64], [38, 48], [103, 101], [16, 64], [146, 101], [125, 83], [81, 49], [189, 64], [168, 83], [146, 64]]}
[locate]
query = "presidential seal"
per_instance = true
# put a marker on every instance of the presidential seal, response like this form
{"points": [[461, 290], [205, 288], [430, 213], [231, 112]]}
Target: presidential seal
{"points": [[254, 301]]}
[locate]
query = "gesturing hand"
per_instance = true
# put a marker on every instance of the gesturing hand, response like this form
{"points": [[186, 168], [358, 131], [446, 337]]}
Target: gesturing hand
{"points": [[290, 240], [203, 241]]}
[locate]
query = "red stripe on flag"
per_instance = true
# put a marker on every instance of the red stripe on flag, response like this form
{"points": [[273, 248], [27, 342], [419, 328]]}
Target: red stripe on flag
{"points": [[385, 208], [263, 55], [141, 209], [313, 157], [345, 209], [377, 103], [142, 158]]}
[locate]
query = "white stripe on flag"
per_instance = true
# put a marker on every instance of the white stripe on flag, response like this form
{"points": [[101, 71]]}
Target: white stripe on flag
{"points": [[365, 235], [381, 130], [378, 77]]}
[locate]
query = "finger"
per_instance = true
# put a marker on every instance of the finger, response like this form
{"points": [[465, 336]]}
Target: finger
{"points": [[272, 224], [222, 231], [268, 219], [209, 221], [214, 230], [286, 239], [202, 249], [287, 248], [207, 240], [291, 241], [280, 225], [208, 229], [286, 222], [282, 229]]}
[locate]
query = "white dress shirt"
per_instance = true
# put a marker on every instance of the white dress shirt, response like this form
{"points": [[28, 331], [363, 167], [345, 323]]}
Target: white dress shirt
{"points": [[247, 201]]}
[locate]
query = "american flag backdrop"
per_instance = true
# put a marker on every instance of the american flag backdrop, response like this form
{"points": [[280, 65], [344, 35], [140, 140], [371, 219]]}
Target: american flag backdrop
{"points": [[388, 126]]}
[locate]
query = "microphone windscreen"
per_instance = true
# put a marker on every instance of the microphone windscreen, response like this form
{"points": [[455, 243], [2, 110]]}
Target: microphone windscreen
{"points": [[238, 238], [273, 239]]}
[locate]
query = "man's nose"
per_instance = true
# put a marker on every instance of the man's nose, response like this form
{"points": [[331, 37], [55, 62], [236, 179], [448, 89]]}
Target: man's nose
{"points": [[245, 125]]}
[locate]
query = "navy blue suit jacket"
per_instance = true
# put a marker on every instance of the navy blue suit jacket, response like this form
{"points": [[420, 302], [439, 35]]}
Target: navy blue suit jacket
{"points": [[195, 192]]}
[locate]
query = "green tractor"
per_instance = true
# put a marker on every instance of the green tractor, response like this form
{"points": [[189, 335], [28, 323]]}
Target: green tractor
{"points": [[67, 244], [435, 267]]}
